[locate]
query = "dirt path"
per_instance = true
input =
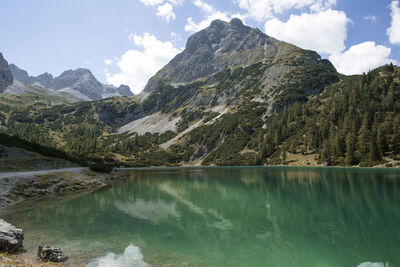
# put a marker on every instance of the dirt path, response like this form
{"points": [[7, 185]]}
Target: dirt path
{"points": [[33, 173]]}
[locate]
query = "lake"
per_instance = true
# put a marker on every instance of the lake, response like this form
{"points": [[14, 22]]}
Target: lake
{"points": [[261, 216]]}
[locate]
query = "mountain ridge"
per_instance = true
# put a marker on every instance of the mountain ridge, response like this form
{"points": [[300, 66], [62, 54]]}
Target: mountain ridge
{"points": [[80, 83]]}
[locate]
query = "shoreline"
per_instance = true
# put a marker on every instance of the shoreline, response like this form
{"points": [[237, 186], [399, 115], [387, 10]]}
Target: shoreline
{"points": [[62, 184], [27, 187]]}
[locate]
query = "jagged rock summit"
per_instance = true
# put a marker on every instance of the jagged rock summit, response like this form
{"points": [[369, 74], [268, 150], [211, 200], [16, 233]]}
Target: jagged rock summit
{"points": [[80, 83], [6, 77], [221, 45]]}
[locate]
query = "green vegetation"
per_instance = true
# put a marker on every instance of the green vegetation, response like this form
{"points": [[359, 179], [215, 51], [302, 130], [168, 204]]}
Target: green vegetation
{"points": [[101, 167], [339, 120], [355, 121]]}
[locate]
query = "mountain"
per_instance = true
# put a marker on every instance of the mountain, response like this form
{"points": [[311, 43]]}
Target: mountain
{"points": [[44, 80], [234, 96], [6, 77], [79, 83], [228, 60], [222, 45]]}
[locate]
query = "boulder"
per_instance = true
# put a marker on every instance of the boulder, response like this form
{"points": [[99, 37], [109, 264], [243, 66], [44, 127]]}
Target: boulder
{"points": [[11, 238], [48, 253]]}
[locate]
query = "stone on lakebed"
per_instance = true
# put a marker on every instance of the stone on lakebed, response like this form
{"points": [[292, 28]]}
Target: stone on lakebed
{"points": [[11, 238], [48, 253]]}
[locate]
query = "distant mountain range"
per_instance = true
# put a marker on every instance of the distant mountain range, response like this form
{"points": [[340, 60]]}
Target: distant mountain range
{"points": [[233, 96], [75, 85]]}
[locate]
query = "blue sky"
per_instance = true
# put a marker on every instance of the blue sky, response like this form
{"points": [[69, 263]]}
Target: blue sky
{"points": [[127, 41]]}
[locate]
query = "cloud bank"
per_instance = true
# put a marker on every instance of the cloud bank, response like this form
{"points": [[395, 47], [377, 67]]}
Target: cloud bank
{"points": [[324, 31], [137, 66], [165, 8], [394, 31], [362, 58]]}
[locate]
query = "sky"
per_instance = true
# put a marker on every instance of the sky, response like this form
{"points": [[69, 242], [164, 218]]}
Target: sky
{"points": [[128, 41]]}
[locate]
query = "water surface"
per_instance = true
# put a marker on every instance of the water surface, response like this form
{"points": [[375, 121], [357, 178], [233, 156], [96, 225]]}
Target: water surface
{"points": [[228, 217]]}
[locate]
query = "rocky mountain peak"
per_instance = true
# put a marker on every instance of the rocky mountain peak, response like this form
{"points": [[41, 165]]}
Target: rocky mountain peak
{"points": [[70, 77], [45, 79], [6, 77], [222, 45]]}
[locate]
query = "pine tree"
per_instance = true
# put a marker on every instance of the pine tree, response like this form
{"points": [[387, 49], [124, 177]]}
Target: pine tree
{"points": [[325, 153], [382, 140], [373, 154], [363, 136], [395, 141], [350, 149]]}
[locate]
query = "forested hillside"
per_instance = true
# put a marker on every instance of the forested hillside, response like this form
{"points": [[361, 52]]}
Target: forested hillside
{"points": [[354, 121]]}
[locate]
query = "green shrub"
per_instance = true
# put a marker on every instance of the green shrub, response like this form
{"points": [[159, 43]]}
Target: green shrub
{"points": [[101, 167]]}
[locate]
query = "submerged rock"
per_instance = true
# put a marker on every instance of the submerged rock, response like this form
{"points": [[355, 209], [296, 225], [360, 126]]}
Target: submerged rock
{"points": [[48, 253], [11, 238]]}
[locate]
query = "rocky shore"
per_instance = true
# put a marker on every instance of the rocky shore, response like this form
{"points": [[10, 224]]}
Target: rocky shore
{"points": [[24, 187]]}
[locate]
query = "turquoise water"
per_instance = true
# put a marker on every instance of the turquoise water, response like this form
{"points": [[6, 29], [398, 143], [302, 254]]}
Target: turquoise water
{"points": [[228, 217]]}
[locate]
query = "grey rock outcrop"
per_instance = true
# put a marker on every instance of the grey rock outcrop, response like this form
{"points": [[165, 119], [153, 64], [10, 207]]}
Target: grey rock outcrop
{"points": [[11, 238], [48, 253], [6, 77]]}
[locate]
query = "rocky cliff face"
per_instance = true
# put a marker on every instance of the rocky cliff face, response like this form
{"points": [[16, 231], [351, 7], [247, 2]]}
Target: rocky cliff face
{"points": [[80, 83], [6, 77]]}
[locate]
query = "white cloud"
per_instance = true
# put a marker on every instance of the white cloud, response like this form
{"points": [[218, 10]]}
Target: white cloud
{"points": [[394, 31], [361, 58], [370, 18], [176, 2], [165, 8], [192, 26], [166, 11], [204, 6], [107, 61], [137, 66], [324, 32], [152, 2], [265, 9], [211, 14], [321, 5]]}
